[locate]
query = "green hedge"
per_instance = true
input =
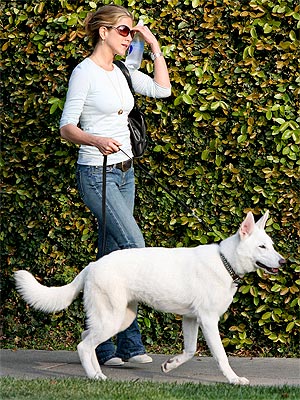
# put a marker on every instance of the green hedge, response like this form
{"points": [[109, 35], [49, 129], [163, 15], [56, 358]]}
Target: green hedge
{"points": [[226, 142]]}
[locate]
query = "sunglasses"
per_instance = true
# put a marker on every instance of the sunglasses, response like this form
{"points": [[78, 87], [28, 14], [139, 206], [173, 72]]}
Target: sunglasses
{"points": [[122, 30]]}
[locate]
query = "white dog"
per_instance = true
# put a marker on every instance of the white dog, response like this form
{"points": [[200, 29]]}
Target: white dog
{"points": [[198, 283]]}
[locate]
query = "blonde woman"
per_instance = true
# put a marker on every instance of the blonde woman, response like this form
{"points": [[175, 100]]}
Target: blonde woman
{"points": [[95, 117]]}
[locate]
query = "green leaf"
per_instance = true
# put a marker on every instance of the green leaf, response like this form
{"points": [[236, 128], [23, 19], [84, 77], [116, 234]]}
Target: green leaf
{"points": [[276, 288], [53, 108], [266, 315], [269, 115], [267, 28], [187, 98], [253, 33], [215, 105], [218, 160], [205, 155], [261, 308], [178, 100], [290, 326]]}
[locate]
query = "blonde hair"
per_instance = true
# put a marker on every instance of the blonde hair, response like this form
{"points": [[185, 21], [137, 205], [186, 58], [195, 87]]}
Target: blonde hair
{"points": [[104, 16]]}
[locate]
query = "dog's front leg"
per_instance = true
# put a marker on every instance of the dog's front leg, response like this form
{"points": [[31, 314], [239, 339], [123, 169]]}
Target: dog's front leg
{"points": [[209, 325], [190, 332]]}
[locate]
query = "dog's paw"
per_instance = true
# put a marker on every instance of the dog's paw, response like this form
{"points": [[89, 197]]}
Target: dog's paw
{"points": [[100, 377], [239, 380], [168, 365]]}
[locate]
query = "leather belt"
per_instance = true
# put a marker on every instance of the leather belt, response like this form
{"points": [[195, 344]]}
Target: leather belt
{"points": [[123, 166]]}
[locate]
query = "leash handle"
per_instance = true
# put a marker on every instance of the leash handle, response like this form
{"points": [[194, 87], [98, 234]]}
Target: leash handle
{"points": [[187, 208], [104, 207]]}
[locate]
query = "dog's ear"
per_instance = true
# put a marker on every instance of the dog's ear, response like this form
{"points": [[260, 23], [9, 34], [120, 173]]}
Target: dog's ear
{"points": [[247, 226], [261, 223]]}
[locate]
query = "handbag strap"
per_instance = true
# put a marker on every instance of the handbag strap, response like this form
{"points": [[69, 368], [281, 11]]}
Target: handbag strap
{"points": [[126, 73]]}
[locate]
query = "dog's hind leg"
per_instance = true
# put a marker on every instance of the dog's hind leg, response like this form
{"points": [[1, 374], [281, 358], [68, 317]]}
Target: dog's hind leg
{"points": [[94, 359], [190, 332], [104, 320], [209, 325], [86, 352], [87, 355], [94, 336]]}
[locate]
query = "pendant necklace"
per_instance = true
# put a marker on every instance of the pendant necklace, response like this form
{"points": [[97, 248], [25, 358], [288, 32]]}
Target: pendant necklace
{"points": [[118, 92]]}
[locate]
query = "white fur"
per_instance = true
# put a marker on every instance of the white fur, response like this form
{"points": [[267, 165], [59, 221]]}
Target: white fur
{"points": [[192, 282]]}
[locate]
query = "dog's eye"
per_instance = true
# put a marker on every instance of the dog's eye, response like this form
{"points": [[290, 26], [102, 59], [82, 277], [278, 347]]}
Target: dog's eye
{"points": [[262, 246]]}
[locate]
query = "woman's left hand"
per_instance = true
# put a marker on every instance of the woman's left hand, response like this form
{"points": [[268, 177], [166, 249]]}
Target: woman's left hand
{"points": [[161, 74], [148, 37]]}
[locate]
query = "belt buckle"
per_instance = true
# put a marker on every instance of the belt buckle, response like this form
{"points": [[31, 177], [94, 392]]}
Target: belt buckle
{"points": [[126, 165], [122, 166]]}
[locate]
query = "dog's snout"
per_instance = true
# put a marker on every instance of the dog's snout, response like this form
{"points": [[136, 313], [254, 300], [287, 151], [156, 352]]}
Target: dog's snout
{"points": [[282, 261]]}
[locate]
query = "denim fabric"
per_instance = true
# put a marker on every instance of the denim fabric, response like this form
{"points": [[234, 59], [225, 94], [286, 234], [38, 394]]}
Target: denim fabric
{"points": [[122, 232]]}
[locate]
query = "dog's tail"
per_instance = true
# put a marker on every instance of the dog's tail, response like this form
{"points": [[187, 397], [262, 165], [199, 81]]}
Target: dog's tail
{"points": [[48, 299]]}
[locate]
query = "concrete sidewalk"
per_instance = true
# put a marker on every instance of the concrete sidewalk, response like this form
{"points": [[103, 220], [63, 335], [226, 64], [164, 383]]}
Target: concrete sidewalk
{"points": [[32, 364]]}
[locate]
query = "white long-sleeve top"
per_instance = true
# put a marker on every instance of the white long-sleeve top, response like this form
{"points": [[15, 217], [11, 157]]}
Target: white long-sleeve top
{"points": [[94, 98]]}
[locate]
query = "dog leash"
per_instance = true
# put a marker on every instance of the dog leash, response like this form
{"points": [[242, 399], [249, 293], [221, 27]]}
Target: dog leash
{"points": [[104, 207], [187, 208]]}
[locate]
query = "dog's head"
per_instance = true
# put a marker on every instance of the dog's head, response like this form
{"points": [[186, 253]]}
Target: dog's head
{"points": [[257, 246]]}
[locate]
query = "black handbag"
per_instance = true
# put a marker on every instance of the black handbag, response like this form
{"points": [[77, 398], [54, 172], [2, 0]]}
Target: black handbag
{"points": [[136, 120]]}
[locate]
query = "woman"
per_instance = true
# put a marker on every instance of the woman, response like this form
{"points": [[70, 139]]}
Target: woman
{"points": [[100, 100]]}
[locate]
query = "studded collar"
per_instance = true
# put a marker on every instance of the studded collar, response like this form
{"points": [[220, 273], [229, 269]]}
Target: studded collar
{"points": [[236, 278]]}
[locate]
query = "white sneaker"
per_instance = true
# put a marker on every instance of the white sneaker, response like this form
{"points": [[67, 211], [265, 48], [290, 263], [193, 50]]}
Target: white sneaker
{"points": [[114, 362], [140, 359]]}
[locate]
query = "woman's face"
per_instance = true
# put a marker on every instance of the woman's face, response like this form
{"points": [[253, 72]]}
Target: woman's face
{"points": [[118, 43]]}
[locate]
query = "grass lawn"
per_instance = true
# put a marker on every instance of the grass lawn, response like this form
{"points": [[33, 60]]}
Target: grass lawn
{"points": [[84, 389]]}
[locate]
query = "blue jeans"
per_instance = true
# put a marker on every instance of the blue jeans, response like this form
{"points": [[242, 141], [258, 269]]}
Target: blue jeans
{"points": [[122, 232]]}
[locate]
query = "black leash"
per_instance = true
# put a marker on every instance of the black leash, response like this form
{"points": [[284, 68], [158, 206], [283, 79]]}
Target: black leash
{"points": [[187, 208], [104, 207]]}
